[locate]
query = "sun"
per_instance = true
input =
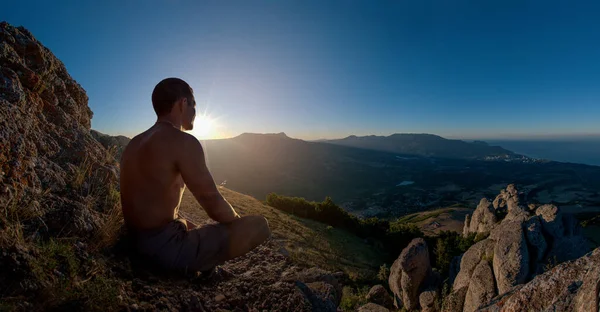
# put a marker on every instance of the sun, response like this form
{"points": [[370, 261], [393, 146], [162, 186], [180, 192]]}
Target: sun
{"points": [[204, 127]]}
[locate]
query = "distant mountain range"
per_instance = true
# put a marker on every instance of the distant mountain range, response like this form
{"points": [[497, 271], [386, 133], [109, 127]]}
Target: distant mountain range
{"points": [[428, 145], [397, 181]]}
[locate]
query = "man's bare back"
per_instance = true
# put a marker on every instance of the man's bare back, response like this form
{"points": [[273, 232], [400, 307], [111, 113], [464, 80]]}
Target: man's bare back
{"points": [[156, 167], [152, 182]]}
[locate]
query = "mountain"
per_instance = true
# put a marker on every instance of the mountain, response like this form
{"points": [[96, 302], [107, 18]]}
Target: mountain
{"points": [[428, 145], [371, 182], [115, 144], [384, 184]]}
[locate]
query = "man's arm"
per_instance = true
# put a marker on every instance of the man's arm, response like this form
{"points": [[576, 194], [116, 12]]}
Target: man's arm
{"points": [[192, 166]]}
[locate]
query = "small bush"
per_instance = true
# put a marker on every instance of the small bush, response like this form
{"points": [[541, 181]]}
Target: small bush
{"points": [[353, 299], [384, 273]]}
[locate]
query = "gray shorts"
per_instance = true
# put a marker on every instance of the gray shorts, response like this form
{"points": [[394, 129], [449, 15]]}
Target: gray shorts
{"points": [[175, 248]]}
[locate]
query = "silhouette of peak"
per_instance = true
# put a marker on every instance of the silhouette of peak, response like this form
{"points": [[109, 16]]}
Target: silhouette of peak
{"points": [[280, 135]]}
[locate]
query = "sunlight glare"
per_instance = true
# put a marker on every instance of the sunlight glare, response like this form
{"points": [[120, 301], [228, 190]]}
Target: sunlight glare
{"points": [[204, 127]]}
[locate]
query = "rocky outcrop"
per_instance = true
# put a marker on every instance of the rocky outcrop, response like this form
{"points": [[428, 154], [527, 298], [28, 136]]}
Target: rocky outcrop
{"points": [[480, 251], [571, 286], [379, 295], [429, 300], [483, 220], [410, 274], [519, 247], [511, 256], [481, 287], [535, 238], [49, 162], [455, 300]]}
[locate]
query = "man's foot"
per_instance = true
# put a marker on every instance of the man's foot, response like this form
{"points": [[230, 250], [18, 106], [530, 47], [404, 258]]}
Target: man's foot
{"points": [[214, 275]]}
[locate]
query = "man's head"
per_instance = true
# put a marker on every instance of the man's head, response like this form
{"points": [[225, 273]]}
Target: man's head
{"points": [[174, 98]]}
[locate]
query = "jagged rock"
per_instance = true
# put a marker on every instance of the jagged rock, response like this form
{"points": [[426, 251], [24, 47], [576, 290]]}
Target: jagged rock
{"points": [[409, 273], [511, 256], [571, 286], [471, 258], [500, 201], [552, 222], [45, 141], [319, 294], [372, 307], [455, 300], [416, 268], [454, 269], [535, 238], [379, 295], [466, 226], [429, 301], [482, 287], [318, 279], [484, 218], [395, 283]]}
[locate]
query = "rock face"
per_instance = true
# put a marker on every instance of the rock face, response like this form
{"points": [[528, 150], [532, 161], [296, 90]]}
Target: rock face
{"points": [[410, 274], [571, 286], [379, 295], [45, 140], [481, 287], [429, 301], [511, 256], [518, 248], [481, 250], [483, 220]]}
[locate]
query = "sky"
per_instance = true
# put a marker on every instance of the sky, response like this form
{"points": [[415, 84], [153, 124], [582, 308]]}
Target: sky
{"points": [[329, 69]]}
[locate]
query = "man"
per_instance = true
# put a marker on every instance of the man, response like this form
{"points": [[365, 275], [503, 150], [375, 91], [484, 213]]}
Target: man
{"points": [[156, 167]]}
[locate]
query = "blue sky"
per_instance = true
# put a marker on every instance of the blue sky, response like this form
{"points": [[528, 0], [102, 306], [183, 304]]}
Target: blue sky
{"points": [[326, 69]]}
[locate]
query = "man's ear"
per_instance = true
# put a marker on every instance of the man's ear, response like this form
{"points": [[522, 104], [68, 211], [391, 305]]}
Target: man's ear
{"points": [[181, 103]]}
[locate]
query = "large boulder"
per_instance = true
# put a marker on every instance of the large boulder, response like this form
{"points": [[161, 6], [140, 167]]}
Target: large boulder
{"points": [[482, 287], [409, 274], [395, 283], [455, 300], [416, 268], [571, 286], [323, 284], [535, 238], [484, 218], [481, 250], [551, 219], [466, 225], [511, 256], [429, 301], [379, 295]]}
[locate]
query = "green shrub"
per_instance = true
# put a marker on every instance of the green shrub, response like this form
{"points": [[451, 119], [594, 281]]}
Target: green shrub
{"points": [[353, 299]]}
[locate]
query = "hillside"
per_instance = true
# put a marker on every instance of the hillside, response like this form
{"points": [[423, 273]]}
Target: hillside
{"points": [[427, 145], [308, 243]]}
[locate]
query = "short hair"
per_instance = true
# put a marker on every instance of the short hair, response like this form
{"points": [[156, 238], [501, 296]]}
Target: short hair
{"points": [[167, 92]]}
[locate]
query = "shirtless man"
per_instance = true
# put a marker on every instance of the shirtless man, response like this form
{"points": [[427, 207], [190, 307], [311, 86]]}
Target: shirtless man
{"points": [[156, 167]]}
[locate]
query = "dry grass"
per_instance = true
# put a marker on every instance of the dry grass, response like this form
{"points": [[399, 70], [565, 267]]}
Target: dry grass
{"points": [[309, 242]]}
